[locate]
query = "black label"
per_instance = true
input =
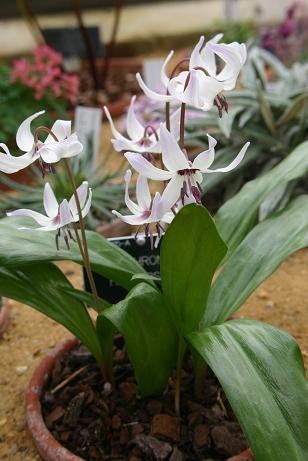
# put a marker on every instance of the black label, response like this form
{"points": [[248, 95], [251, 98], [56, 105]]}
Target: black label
{"points": [[141, 250]]}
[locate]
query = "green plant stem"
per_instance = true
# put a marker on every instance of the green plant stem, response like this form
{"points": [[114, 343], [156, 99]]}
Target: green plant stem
{"points": [[85, 254], [177, 395]]}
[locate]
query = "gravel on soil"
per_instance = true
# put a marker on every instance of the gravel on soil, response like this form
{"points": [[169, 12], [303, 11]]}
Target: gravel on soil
{"points": [[282, 301]]}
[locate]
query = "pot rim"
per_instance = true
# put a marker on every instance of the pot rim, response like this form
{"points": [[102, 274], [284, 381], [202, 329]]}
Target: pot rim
{"points": [[4, 316], [48, 447]]}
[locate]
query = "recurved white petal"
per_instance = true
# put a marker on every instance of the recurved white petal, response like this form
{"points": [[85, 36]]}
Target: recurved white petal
{"points": [[234, 55], [38, 217], [114, 131], [50, 202], [133, 220], [71, 146], [5, 148], [143, 193], [24, 136], [152, 94], [205, 159], [208, 56], [62, 129], [82, 192], [163, 75], [209, 88], [233, 164], [87, 206], [11, 164], [66, 216], [52, 152], [172, 155], [146, 168], [133, 207], [172, 192], [134, 128], [157, 210], [195, 57]]}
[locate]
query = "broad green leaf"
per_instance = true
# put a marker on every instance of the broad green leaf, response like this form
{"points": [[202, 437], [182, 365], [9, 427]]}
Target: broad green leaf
{"points": [[19, 247], [151, 339], [105, 333], [86, 297], [256, 258], [191, 251], [261, 371], [236, 217], [44, 287], [104, 328]]}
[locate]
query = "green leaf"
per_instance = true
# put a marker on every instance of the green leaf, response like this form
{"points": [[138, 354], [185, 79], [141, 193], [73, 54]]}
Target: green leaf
{"points": [[151, 339], [19, 247], [261, 371], [256, 258], [236, 217], [190, 253], [265, 109], [293, 110], [44, 287]]}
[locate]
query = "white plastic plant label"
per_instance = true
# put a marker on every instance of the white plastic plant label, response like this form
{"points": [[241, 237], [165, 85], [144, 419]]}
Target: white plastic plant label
{"points": [[88, 122]]}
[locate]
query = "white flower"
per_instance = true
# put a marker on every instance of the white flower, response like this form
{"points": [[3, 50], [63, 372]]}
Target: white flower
{"points": [[192, 87], [201, 85], [233, 55], [142, 139], [49, 151], [145, 211], [184, 176], [58, 216]]}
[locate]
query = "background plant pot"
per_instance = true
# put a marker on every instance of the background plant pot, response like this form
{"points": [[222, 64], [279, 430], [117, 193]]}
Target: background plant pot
{"points": [[4, 315], [48, 447], [116, 228]]}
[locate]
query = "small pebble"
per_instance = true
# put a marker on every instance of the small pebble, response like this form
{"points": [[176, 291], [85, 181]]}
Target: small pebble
{"points": [[20, 370], [269, 304], [3, 421], [262, 294]]}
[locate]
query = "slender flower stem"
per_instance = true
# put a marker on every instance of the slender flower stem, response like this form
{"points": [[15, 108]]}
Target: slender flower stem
{"points": [[182, 125], [177, 395], [78, 241], [84, 252], [168, 116], [83, 235]]}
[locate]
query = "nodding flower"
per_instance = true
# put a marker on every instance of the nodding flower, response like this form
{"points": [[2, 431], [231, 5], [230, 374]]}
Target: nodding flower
{"points": [[202, 84], [142, 139], [58, 216], [184, 176], [60, 143], [146, 212]]}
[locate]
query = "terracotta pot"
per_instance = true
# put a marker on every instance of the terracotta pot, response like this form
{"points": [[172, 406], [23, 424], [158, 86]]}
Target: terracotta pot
{"points": [[48, 447], [4, 316]]}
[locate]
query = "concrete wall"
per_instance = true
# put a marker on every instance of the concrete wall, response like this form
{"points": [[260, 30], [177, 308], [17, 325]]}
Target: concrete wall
{"points": [[143, 21]]}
